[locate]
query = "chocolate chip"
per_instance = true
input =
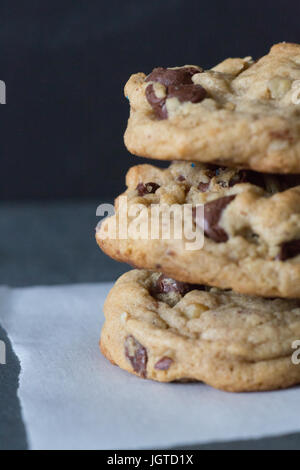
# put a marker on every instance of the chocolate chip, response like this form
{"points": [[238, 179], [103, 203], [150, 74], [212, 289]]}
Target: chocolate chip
{"points": [[165, 284], [212, 214], [178, 83], [211, 171], [158, 104], [163, 363], [137, 355], [289, 250], [148, 188], [167, 77], [192, 93], [180, 178], [203, 187]]}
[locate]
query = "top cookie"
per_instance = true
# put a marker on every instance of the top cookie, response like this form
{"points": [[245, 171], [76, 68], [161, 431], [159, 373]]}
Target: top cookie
{"points": [[239, 113]]}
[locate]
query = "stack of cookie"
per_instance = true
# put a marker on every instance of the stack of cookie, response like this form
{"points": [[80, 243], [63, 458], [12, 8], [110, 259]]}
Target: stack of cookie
{"points": [[228, 313]]}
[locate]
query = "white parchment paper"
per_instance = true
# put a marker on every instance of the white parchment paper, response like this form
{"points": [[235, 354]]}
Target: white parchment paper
{"points": [[73, 398]]}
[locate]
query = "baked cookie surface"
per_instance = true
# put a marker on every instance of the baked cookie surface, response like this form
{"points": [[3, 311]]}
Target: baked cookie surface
{"points": [[239, 113], [251, 227], [165, 330]]}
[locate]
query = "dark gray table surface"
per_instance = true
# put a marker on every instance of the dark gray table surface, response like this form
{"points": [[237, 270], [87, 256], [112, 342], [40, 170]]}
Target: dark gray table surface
{"points": [[53, 243]]}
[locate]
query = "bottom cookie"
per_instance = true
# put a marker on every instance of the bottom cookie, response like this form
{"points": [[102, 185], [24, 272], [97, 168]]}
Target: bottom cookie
{"points": [[166, 330]]}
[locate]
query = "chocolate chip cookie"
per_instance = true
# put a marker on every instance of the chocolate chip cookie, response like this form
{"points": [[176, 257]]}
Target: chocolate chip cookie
{"points": [[251, 227], [164, 330], [241, 112]]}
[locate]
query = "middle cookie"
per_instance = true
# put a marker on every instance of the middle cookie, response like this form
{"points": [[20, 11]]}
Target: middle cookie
{"points": [[251, 227]]}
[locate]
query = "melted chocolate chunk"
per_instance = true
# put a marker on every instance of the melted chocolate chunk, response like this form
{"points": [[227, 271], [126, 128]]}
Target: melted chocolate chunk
{"points": [[164, 363], [137, 355], [166, 284], [158, 104], [192, 93], [181, 76], [148, 188], [212, 214], [178, 83], [289, 250]]}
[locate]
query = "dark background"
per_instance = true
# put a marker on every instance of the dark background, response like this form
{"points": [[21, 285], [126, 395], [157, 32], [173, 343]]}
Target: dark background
{"points": [[65, 63]]}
